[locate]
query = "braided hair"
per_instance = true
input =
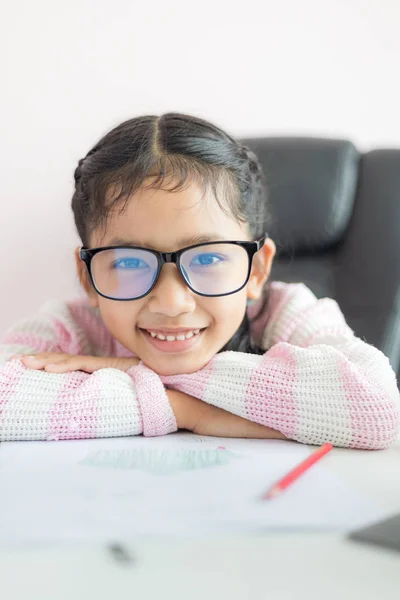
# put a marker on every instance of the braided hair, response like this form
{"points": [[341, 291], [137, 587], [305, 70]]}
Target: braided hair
{"points": [[177, 148]]}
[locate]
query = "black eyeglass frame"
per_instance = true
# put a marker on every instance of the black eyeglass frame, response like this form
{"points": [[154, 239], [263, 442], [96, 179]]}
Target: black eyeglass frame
{"points": [[87, 254]]}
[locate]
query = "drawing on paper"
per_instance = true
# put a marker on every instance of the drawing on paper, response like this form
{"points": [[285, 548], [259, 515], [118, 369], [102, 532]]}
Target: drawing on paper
{"points": [[159, 461]]}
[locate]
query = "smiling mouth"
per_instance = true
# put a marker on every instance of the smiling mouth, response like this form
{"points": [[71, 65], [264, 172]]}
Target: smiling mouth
{"points": [[172, 343]]}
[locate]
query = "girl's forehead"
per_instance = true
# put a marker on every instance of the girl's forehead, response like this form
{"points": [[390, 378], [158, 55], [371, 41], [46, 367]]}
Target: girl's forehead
{"points": [[163, 217]]}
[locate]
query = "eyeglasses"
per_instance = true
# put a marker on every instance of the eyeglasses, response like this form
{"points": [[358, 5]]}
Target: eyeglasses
{"points": [[208, 269]]}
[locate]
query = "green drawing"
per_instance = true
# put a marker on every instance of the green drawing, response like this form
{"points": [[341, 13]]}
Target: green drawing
{"points": [[160, 461]]}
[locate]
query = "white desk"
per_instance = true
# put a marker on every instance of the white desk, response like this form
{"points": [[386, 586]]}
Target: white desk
{"points": [[279, 566]]}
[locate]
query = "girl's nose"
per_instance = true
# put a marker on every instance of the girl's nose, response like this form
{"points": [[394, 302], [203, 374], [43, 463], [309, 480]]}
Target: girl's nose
{"points": [[171, 296]]}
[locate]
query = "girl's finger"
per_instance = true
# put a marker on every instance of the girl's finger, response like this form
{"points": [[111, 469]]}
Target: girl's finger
{"points": [[88, 365], [38, 362], [32, 362], [60, 367]]}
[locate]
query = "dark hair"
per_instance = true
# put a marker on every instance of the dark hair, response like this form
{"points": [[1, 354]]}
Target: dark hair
{"points": [[177, 148]]}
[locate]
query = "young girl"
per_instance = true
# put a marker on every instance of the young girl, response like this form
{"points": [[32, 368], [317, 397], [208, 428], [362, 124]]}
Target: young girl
{"points": [[180, 327]]}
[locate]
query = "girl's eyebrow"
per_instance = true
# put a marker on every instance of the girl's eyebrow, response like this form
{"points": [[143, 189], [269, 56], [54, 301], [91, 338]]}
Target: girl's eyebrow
{"points": [[189, 241]]}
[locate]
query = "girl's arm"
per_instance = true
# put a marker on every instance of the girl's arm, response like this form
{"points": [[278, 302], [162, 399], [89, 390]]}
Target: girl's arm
{"points": [[317, 383], [206, 419], [37, 405]]}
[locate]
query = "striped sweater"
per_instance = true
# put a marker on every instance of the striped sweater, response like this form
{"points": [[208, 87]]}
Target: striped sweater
{"points": [[315, 383]]}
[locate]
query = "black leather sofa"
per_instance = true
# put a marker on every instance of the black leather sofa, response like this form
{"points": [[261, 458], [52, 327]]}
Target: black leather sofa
{"points": [[336, 224]]}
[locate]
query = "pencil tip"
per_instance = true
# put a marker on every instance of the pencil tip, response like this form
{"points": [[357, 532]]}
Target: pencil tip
{"points": [[272, 493]]}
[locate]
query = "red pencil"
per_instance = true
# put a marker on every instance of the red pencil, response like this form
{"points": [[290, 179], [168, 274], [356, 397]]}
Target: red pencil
{"points": [[295, 473]]}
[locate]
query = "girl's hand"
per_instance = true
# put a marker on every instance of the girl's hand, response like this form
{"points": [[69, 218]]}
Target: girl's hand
{"points": [[204, 419], [57, 362]]}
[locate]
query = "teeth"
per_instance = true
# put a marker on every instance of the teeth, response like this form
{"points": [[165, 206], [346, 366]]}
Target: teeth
{"points": [[173, 338]]}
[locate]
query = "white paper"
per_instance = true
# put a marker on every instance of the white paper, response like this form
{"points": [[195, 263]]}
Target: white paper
{"points": [[116, 488]]}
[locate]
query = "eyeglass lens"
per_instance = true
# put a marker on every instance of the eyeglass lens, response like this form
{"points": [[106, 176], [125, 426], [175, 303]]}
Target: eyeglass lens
{"points": [[212, 269]]}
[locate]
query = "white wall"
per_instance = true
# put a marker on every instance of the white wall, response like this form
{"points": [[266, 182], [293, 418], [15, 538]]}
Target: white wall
{"points": [[71, 71]]}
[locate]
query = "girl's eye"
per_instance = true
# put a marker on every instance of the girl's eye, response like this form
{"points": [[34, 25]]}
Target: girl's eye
{"points": [[206, 260], [129, 263]]}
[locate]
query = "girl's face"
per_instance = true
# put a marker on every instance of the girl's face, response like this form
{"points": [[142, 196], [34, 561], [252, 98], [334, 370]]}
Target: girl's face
{"points": [[167, 221]]}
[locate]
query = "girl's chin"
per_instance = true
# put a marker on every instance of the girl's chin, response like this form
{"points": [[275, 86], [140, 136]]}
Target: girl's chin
{"points": [[175, 367], [175, 364]]}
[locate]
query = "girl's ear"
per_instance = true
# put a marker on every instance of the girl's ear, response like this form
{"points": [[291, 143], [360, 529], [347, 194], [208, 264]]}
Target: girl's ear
{"points": [[260, 269], [85, 280]]}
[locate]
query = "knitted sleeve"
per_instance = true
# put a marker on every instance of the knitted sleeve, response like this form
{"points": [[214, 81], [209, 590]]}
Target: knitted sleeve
{"points": [[316, 383], [37, 405]]}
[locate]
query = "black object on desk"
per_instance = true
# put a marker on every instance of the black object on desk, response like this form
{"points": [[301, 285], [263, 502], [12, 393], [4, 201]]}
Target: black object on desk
{"points": [[385, 534]]}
